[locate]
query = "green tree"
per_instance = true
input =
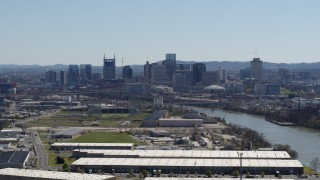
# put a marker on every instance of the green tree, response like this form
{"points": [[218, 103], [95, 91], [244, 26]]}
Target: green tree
{"points": [[236, 173], [284, 147], [209, 173], [130, 172], [65, 167], [315, 163], [158, 173], [60, 160], [145, 173]]}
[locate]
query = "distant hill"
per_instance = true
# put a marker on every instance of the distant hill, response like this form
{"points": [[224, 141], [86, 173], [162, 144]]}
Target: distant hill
{"points": [[211, 65]]}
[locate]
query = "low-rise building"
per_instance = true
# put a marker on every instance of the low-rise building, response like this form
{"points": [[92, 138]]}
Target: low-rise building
{"points": [[181, 165], [159, 133], [31, 174], [14, 159], [180, 122], [67, 133]]}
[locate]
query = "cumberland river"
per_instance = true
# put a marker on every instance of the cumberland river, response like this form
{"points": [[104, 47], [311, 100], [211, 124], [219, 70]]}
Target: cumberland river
{"points": [[305, 141]]}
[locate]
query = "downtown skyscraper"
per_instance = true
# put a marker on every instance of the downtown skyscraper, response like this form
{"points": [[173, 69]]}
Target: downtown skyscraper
{"points": [[109, 68]]}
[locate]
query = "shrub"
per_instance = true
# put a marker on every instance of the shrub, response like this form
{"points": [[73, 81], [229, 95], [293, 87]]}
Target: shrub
{"points": [[236, 173], [60, 160]]}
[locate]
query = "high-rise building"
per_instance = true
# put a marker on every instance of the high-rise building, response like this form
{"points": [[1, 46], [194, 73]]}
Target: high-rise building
{"points": [[51, 77], [158, 74], [222, 75], [170, 64], [147, 71], [63, 78], [183, 67], [198, 69], [85, 72], [127, 72], [109, 68], [209, 78], [245, 73], [182, 78], [284, 74], [171, 56], [73, 74], [256, 69]]}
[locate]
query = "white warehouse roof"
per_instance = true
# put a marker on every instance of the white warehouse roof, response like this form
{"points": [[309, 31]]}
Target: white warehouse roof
{"points": [[165, 162], [165, 178], [52, 174], [192, 154]]}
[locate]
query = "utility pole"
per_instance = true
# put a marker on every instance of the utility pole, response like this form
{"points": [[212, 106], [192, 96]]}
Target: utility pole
{"points": [[240, 155]]}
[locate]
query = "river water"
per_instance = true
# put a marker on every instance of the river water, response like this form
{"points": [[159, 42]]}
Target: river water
{"points": [[304, 140]]}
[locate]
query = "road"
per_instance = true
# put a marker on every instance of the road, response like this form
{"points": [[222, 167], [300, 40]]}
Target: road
{"points": [[40, 151]]}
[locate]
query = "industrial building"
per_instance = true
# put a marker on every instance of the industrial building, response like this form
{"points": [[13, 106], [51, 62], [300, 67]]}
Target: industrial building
{"points": [[72, 146], [112, 109], [15, 159], [8, 140], [181, 161], [159, 133], [30, 174], [175, 178], [180, 122], [67, 133], [4, 145], [185, 154], [184, 165], [153, 119]]}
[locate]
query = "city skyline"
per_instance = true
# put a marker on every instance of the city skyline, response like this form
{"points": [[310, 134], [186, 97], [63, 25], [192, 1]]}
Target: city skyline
{"points": [[80, 32]]}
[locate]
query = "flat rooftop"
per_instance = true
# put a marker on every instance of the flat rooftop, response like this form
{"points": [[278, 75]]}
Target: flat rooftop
{"points": [[164, 178], [70, 132], [14, 156], [178, 119], [181, 162], [192, 154], [93, 144], [30, 173]]}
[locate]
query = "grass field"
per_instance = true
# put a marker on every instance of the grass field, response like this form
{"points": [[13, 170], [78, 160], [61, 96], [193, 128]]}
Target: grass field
{"points": [[106, 137], [104, 120], [52, 160], [308, 170], [287, 91]]}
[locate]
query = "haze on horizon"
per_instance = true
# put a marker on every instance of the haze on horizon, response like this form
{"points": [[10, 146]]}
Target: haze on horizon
{"points": [[79, 31]]}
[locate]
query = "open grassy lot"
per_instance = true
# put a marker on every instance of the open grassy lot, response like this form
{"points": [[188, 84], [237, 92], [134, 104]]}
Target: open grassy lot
{"points": [[52, 160], [104, 120], [106, 137], [308, 170]]}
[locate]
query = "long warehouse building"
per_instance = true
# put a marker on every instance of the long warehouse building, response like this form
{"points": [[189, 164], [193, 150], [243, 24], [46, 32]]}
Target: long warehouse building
{"points": [[31, 174], [196, 154], [183, 165]]}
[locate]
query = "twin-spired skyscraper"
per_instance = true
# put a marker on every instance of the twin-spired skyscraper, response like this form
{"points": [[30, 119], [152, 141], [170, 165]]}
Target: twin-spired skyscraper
{"points": [[109, 68]]}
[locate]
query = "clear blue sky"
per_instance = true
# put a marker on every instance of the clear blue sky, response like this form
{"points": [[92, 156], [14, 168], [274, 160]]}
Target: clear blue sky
{"points": [[81, 31]]}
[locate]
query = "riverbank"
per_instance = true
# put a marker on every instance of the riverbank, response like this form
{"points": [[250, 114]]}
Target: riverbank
{"points": [[304, 118], [303, 140]]}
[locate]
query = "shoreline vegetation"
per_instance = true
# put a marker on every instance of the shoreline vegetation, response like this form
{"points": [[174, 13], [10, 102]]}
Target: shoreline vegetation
{"points": [[301, 117]]}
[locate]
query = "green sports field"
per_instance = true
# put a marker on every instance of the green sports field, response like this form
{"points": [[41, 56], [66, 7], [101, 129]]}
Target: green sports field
{"points": [[106, 137]]}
